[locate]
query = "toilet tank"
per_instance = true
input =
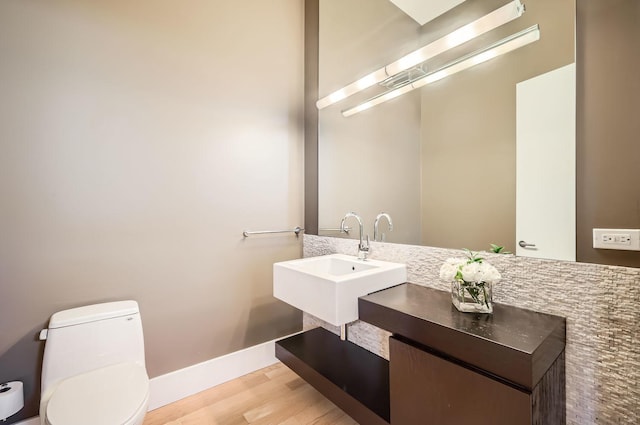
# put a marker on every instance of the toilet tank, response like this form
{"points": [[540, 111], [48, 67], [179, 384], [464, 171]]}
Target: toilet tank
{"points": [[87, 338]]}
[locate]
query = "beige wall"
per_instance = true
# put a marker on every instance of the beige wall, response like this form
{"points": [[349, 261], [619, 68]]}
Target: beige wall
{"points": [[608, 126], [469, 127], [138, 139], [369, 162]]}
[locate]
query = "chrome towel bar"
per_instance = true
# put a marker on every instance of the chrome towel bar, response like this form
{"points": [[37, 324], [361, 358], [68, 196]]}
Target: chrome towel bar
{"points": [[347, 229], [296, 230]]}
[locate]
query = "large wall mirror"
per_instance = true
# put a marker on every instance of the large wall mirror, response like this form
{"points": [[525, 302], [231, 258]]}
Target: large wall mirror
{"points": [[441, 160]]}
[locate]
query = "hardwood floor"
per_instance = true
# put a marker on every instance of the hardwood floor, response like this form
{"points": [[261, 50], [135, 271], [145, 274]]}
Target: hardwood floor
{"points": [[271, 396]]}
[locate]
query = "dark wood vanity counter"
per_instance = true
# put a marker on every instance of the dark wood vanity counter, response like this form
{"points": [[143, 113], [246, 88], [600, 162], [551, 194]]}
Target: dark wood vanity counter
{"points": [[445, 367], [512, 344]]}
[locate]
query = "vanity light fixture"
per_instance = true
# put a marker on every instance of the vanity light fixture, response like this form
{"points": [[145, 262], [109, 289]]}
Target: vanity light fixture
{"points": [[501, 47], [498, 17]]}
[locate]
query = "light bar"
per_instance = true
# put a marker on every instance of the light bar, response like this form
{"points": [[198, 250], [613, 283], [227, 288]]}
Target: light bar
{"points": [[498, 17], [513, 42]]}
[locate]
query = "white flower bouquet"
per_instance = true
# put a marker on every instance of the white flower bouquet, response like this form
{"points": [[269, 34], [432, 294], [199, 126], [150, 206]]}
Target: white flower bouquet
{"points": [[472, 281]]}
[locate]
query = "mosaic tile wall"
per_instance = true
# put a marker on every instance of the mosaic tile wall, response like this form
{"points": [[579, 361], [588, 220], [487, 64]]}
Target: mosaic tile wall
{"points": [[601, 304]]}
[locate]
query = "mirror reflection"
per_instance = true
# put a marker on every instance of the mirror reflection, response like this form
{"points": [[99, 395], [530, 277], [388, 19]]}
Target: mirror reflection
{"points": [[439, 160]]}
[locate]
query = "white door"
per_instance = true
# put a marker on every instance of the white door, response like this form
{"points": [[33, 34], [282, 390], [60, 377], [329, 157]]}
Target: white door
{"points": [[545, 164]]}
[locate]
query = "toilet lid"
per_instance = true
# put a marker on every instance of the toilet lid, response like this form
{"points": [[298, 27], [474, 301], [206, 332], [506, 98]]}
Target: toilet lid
{"points": [[106, 396]]}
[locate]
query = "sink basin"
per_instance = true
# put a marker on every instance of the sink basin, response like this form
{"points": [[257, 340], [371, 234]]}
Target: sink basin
{"points": [[328, 286]]}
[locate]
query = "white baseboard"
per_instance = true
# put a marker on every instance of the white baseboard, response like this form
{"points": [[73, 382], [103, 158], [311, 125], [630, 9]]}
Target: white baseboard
{"points": [[176, 385]]}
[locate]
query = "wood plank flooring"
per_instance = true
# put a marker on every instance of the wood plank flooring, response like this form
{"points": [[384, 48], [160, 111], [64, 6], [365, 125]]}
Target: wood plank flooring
{"points": [[271, 396]]}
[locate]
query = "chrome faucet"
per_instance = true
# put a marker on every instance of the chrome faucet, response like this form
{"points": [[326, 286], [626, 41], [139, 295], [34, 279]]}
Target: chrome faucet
{"points": [[375, 225], [363, 249]]}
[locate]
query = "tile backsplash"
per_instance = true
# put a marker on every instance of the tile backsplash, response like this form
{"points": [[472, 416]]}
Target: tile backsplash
{"points": [[601, 304]]}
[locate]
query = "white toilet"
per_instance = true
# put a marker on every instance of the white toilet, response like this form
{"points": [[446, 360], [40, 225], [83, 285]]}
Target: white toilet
{"points": [[93, 371]]}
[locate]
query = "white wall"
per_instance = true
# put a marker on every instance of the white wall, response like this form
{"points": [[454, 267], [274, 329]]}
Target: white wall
{"points": [[138, 139]]}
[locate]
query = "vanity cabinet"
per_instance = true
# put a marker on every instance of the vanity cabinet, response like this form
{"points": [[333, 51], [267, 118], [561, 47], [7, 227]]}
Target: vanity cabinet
{"points": [[427, 389], [445, 367], [453, 368]]}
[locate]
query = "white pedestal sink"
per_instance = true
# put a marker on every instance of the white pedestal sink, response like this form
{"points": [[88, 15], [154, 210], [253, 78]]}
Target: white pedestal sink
{"points": [[328, 286]]}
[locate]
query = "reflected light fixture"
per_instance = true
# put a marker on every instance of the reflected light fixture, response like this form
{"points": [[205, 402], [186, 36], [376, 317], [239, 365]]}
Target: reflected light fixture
{"points": [[498, 17], [513, 42]]}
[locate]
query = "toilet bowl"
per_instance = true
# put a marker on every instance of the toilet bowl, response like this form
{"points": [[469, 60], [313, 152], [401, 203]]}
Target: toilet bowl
{"points": [[93, 368]]}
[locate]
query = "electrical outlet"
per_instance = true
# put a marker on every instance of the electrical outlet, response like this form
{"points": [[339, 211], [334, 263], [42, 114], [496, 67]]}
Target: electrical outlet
{"points": [[623, 239]]}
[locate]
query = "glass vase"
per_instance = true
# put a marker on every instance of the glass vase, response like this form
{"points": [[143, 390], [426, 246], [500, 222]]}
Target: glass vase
{"points": [[472, 297]]}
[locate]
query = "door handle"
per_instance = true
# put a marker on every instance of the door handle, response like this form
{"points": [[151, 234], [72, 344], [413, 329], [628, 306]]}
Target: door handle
{"points": [[523, 244]]}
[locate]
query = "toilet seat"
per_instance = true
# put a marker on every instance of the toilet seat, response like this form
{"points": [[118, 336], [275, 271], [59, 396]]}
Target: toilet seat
{"points": [[113, 395]]}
